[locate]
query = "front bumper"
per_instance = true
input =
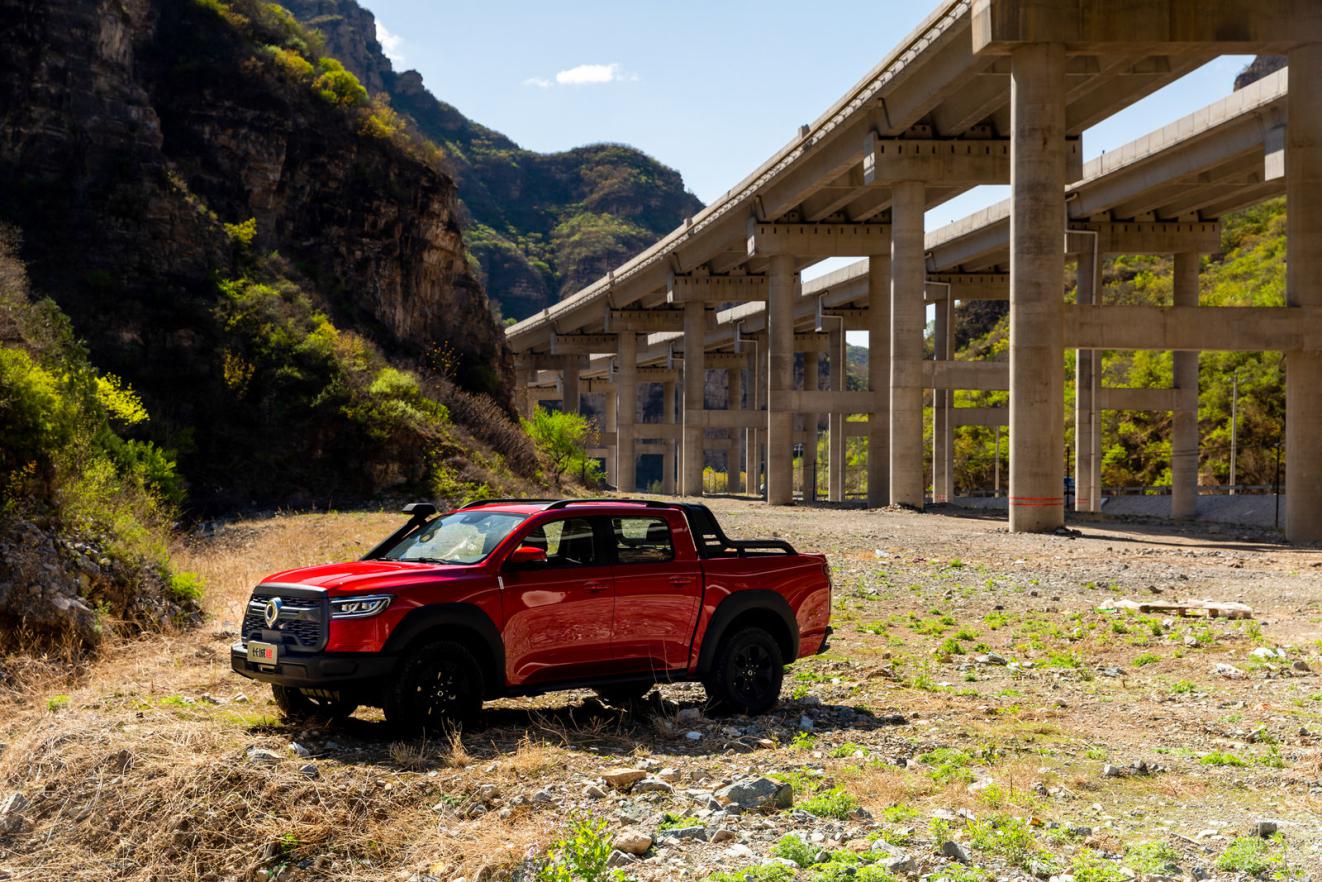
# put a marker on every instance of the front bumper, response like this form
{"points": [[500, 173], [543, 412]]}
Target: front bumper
{"points": [[325, 670]]}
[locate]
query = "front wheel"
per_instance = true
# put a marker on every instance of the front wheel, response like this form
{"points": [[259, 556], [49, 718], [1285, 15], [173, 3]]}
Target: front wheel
{"points": [[746, 673], [312, 704], [438, 685]]}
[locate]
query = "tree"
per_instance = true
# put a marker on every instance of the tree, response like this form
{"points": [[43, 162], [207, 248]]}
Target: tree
{"points": [[562, 439]]}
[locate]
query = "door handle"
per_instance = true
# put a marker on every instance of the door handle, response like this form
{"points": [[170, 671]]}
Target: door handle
{"points": [[681, 580], [594, 587]]}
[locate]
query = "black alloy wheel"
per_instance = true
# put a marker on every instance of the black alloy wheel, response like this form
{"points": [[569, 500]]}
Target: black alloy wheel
{"points": [[747, 673], [438, 686]]}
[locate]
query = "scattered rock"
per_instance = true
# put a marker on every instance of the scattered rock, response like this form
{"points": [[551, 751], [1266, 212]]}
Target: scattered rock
{"points": [[1110, 771], [1266, 828], [693, 736], [622, 778], [309, 771], [723, 834], [652, 785], [11, 813], [953, 850], [685, 833], [620, 859], [1222, 669], [263, 757], [990, 658], [594, 791], [299, 750], [670, 776], [757, 793], [633, 841]]}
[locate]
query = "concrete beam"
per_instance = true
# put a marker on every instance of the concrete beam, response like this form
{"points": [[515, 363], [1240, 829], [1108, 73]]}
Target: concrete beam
{"points": [[1152, 237], [855, 318], [812, 342], [967, 286], [645, 321], [985, 376], [818, 240], [733, 419], [967, 162], [1223, 328], [1231, 25], [657, 431], [716, 289], [980, 416], [725, 360], [582, 344], [823, 401], [1121, 398]]}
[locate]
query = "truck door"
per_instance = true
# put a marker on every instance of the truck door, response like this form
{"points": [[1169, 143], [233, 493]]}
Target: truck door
{"points": [[558, 614], [658, 588]]}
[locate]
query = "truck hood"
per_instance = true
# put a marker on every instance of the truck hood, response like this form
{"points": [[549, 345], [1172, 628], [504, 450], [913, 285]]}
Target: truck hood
{"points": [[368, 575]]}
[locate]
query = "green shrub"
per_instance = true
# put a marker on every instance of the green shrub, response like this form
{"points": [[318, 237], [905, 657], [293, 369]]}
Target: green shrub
{"points": [[833, 803], [1150, 858], [581, 856], [792, 848], [760, 873], [1089, 866], [337, 85], [1256, 856], [1221, 758], [185, 585], [562, 438]]}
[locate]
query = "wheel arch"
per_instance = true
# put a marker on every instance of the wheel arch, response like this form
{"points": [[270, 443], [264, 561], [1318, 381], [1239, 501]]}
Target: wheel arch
{"points": [[764, 609], [461, 622]]}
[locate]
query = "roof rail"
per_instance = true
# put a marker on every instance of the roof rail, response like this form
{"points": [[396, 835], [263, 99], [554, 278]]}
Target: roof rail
{"points": [[650, 503], [474, 502]]}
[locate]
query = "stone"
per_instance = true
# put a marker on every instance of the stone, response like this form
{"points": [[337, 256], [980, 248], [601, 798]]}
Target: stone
{"points": [[652, 785], [543, 797], [1266, 828], [723, 834], [897, 863], [620, 859], [1110, 771], [685, 833], [1222, 669], [689, 714], [11, 813], [309, 771], [594, 791], [622, 778], [670, 776], [633, 841], [693, 736], [990, 658], [263, 757], [954, 851], [739, 851], [757, 793], [299, 750], [805, 723]]}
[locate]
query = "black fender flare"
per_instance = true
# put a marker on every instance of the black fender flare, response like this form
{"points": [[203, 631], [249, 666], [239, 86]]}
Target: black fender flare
{"points": [[736, 605], [466, 616]]}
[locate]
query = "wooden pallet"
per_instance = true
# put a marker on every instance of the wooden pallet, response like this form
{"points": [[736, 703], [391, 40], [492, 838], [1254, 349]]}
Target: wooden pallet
{"points": [[1212, 609]]}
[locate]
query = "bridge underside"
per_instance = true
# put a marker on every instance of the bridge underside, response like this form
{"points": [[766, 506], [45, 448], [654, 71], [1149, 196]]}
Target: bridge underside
{"points": [[988, 91]]}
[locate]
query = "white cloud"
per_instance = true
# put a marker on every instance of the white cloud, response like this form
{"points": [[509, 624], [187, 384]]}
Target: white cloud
{"points": [[391, 44], [584, 75]]}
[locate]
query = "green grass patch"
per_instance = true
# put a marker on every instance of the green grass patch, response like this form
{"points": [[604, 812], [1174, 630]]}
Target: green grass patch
{"points": [[1147, 658], [676, 821], [1257, 857], [833, 803], [1221, 758], [793, 848]]}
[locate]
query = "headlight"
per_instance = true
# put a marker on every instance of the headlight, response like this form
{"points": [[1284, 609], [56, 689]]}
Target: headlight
{"points": [[359, 607]]}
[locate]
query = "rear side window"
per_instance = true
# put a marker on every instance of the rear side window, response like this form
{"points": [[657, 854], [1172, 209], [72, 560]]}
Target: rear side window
{"points": [[642, 540], [568, 543]]}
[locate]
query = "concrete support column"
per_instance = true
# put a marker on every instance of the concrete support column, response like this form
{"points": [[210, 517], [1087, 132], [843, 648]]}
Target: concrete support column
{"points": [[1087, 422], [735, 459], [668, 445], [879, 367], [1037, 278], [836, 421], [943, 459], [606, 423], [908, 314], [1303, 283], [811, 382], [1184, 428], [695, 383], [570, 401], [756, 438], [780, 380], [626, 412]]}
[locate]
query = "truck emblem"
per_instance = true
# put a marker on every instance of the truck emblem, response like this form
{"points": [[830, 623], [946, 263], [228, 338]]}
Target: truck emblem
{"points": [[272, 614]]}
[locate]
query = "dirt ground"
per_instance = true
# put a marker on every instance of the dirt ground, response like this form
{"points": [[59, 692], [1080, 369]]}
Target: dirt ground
{"points": [[978, 717]]}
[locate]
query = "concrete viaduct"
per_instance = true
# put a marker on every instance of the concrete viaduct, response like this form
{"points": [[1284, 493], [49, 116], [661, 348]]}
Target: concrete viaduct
{"points": [[983, 92]]}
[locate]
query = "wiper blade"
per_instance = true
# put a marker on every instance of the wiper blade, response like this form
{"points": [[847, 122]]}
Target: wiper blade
{"points": [[431, 560]]}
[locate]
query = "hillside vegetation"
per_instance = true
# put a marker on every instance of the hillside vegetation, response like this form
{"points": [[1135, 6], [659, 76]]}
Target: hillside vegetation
{"points": [[540, 225]]}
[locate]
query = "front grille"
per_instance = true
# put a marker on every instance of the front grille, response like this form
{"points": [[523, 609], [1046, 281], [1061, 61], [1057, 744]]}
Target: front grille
{"points": [[302, 621]]}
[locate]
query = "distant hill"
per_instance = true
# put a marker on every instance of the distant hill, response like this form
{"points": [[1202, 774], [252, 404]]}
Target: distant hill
{"points": [[541, 226]]}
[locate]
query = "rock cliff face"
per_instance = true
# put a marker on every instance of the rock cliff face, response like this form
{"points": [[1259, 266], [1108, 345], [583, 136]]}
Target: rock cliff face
{"points": [[132, 131], [541, 225]]}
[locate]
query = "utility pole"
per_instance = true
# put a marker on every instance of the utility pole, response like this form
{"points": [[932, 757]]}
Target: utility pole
{"points": [[997, 491], [1234, 427]]}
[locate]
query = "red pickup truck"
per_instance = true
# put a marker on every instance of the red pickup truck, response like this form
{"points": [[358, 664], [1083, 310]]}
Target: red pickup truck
{"points": [[519, 597]]}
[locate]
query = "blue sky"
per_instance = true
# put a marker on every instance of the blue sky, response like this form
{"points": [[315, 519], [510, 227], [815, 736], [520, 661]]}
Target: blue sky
{"points": [[710, 88]]}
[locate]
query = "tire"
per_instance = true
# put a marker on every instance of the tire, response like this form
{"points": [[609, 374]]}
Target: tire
{"points": [[313, 704], [624, 695], [747, 672], [438, 685]]}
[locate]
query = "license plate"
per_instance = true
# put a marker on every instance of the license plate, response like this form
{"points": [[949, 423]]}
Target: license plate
{"points": [[263, 653]]}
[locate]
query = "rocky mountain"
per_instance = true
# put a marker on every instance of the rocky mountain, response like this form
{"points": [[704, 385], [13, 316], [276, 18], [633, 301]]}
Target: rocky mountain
{"points": [[235, 229], [540, 225]]}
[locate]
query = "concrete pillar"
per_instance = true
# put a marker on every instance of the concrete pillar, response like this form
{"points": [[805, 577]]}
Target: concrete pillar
{"points": [[668, 445], [811, 382], [836, 421], [1184, 427], [1087, 424], [879, 367], [570, 401], [942, 455], [607, 423], [695, 383], [908, 314], [1303, 283], [523, 402], [735, 459], [626, 412], [756, 439], [780, 380], [1037, 278]]}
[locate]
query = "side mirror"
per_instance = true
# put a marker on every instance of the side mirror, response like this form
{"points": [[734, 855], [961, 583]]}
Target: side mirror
{"points": [[526, 555]]}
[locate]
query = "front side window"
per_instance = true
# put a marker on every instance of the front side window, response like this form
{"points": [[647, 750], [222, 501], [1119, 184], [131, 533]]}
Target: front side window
{"points": [[459, 538], [642, 540], [568, 543]]}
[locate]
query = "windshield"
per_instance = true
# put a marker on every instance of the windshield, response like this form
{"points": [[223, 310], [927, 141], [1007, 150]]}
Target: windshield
{"points": [[461, 538]]}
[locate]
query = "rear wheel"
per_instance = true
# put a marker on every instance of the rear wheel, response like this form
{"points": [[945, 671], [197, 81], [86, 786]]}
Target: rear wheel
{"points": [[312, 704], [439, 685], [623, 695], [746, 673]]}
